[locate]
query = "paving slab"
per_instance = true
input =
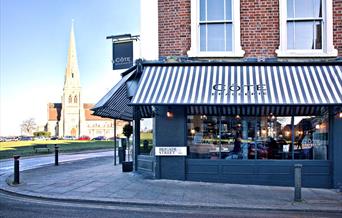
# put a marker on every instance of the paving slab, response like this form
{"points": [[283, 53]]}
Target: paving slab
{"points": [[97, 179]]}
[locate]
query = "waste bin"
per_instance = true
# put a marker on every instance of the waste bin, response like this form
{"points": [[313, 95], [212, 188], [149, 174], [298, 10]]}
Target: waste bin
{"points": [[121, 152], [127, 166]]}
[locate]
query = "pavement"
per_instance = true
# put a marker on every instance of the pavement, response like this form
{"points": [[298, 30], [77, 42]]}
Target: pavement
{"points": [[98, 180], [31, 162]]}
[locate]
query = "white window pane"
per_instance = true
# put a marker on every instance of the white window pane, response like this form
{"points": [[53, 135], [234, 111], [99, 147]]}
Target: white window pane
{"points": [[290, 35], [203, 37], [202, 10], [216, 37], [301, 36], [318, 8], [307, 8], [229, 37], [228, 9], [290, 9], [215, 10]]}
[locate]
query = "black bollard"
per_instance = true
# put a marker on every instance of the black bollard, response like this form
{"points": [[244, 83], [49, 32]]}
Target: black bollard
{"points": [[56, 155], [16, 169]]}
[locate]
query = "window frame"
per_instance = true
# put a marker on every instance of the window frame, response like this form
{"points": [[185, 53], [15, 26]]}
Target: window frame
{"points": [[195, 33], [327, 50]]}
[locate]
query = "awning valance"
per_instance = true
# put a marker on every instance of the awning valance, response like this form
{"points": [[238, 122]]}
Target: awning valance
{"points": [[250, 110], [240, 85]]}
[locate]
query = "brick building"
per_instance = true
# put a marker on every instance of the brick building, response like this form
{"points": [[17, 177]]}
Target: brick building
{"points": [[259, 29], [239, 91]]}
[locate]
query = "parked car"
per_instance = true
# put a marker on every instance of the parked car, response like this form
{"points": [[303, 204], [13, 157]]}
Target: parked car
{"points": [[25, 138], [99, 138], [54, 138], [10, 138], [69, 137], [40, 138], [84, 138]]}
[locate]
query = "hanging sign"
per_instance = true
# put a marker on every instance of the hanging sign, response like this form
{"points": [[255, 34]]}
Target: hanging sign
{"points": [[170, 151], [122, 55]]}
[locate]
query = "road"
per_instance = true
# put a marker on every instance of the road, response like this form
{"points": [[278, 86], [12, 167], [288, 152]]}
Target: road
{"points": [[37, 161], [12, 205], [18, 206]]}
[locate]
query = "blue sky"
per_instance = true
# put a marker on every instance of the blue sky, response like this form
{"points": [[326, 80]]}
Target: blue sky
{"points": [[34, 39]]}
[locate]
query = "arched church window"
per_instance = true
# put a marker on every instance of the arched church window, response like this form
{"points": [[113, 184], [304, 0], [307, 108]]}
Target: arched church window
{"points": [[70, 99], [75, 99]]}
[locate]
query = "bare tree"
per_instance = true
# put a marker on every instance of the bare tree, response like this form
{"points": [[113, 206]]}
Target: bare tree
{"points": [[28, 125]]}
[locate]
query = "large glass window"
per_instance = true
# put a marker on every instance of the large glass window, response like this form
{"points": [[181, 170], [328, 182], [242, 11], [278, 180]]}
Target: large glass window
{"points": [[311, 137], [203, 136], [304, 24], [263, 137]]}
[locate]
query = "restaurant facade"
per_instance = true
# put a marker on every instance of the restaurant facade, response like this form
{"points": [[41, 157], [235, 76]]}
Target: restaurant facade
{"points": [[238, 92]]}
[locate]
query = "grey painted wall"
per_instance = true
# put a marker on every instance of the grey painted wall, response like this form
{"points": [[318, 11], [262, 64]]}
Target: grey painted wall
{"points": [[170, 132], [336, 144], [259, 172]]}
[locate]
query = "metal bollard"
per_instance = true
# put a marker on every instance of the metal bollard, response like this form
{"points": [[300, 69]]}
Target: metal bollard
{"points": [[56, 155], [298, 182], [16, 169]]}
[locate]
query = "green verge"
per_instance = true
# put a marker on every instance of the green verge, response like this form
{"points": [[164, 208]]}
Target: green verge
{"points": [[148, 136], [25, 148]]}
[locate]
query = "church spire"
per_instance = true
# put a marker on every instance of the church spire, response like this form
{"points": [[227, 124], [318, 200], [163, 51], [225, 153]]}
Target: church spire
{"points": [[72, 77]]}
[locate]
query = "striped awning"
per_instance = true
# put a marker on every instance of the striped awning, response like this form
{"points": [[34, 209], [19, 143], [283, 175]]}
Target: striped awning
{"points": [[240, 85], [115, 103]]}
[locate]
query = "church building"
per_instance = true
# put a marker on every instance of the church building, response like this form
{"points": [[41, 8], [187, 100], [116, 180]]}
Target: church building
{"points": [[72, 117]]}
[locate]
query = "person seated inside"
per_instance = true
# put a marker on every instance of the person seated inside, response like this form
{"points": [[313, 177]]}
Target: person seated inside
{"points": [[198, 136], [272, 148], [237, 145], [236, 152]]}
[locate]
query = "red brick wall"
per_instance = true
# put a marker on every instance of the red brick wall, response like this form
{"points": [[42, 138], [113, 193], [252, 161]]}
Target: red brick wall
{"points": [[259, 27], [337, 4], [174, 27]]}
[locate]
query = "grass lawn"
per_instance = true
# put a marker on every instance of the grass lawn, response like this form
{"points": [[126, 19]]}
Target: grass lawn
{"points": [[146, 136], [25, 148]]}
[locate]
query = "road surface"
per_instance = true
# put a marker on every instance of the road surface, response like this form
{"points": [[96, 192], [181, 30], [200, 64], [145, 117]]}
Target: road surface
{"points": [[26, 207]]}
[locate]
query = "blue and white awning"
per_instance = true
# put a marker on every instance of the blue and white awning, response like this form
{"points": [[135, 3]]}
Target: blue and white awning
{"points": [[240, 85]]}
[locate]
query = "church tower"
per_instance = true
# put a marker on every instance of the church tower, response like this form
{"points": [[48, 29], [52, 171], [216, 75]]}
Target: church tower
{"points": [[72, 115]]}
